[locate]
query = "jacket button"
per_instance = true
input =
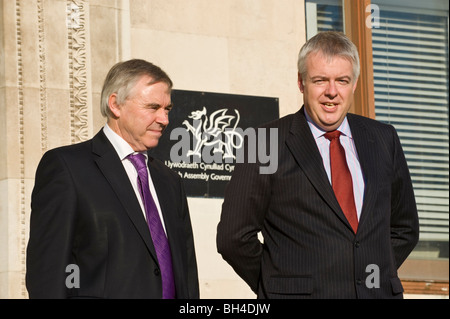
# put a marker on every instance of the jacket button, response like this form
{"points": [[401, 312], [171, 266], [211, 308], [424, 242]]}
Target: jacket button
{"points": [[157, 272], [359, 282], [357, 244]]}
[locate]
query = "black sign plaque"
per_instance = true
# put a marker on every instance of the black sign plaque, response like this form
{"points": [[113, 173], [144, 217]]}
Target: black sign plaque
{"points": [[204, 133]]}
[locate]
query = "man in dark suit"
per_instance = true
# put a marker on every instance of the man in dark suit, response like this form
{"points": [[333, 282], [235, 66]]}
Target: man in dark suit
{"points": [[89, 235], [313, 245]]}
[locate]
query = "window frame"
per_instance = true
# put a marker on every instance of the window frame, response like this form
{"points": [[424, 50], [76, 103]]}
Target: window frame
{"points": [[355, 28]]}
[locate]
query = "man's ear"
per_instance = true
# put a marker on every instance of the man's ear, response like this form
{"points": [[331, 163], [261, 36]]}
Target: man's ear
{"points": [[300, 83], [114, 107]]}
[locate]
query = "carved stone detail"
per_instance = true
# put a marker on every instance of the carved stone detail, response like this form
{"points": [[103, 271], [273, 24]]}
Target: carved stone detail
{"points": [[76, 22], [21, 139], [42, 76]]}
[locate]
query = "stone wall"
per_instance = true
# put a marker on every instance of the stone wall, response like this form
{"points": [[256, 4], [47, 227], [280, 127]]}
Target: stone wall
{"points": [[54, 55]]}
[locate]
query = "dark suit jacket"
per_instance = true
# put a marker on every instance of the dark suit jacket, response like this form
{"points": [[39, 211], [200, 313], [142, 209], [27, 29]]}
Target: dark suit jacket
{"points": [[309, 248], [85, 212]]}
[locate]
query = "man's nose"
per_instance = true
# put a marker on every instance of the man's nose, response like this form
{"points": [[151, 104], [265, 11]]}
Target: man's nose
{"points": [[331, 90], [162, 117]]}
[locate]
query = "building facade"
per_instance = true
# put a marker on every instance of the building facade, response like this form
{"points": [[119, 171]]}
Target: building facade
{"points": [[54, 56]]}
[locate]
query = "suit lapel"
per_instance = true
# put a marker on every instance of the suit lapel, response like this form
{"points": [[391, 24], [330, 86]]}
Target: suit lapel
{"points": [[112, 168], [367, 154], [303, 147]]}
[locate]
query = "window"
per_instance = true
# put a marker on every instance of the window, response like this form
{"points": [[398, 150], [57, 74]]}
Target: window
{"points": [[410, 53], [410, 68], [323, 16]]}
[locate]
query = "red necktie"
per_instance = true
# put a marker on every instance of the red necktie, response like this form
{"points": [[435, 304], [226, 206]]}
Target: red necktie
{"points": [[341, 179]]}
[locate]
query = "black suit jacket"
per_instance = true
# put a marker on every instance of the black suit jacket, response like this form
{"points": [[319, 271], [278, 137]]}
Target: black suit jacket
{"points": [[309, 248], [85, 212]]}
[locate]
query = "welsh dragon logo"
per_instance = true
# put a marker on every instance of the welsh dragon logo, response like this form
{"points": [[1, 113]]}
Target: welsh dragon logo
{"points": [[217, 131]]}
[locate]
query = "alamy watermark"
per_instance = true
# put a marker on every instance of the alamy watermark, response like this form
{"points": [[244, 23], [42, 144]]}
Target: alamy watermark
{"points": [[373, 19], [73, 279], [373, 279]]}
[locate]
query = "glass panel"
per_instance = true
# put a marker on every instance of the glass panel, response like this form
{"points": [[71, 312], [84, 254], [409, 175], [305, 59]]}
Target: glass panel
{"points": [[410, 54], [323, 15]]}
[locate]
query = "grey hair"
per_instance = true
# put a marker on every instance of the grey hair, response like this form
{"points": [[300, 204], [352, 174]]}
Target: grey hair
{"points": [[122, 78], [330, 44]]}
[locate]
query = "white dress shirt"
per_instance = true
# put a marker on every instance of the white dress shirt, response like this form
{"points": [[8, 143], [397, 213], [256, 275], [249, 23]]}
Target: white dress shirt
{"points": [[124, 149], [351, 155]]}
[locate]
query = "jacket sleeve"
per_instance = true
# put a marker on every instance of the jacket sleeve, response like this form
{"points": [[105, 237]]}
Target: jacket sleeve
{"points": [[53, 206], [404, 217], [246, 201], [192, 271]]}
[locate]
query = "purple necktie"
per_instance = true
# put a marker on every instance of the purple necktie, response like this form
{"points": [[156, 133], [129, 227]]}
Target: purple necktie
{"points": [[156, 229]]}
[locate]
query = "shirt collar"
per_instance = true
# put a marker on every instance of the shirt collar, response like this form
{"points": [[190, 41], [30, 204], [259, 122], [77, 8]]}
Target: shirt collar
{"points": [[317, 132], [122, 148]]}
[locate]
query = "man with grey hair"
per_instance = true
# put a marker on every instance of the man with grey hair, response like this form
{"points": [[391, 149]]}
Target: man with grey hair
{"points": [[108, 220], [338, 217]]}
